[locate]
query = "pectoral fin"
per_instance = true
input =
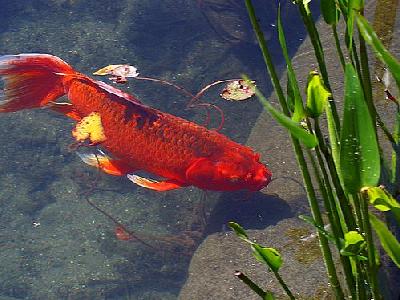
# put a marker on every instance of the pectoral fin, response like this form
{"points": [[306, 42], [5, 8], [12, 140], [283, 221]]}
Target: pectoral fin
{"points": [[106, 164], [65, 108], [160, 186]]}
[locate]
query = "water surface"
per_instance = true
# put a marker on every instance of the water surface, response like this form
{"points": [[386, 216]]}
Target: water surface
{"points": [[56, 246]]}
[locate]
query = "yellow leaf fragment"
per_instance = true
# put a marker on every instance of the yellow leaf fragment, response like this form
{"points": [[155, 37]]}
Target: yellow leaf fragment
{"points": [[90, 128], [106, 70]]}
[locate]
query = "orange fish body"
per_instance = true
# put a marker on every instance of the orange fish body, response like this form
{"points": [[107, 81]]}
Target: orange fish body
{"points": [[140, 138]]}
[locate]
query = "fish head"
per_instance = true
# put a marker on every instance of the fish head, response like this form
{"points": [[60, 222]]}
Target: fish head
{"points": [[243, 172], [231, 172]]}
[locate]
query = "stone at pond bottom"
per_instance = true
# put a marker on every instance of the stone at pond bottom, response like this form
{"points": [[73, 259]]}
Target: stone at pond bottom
{"points": [[211, 272]]}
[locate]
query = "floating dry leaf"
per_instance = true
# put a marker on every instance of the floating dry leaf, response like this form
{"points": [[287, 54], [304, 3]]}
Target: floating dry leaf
{"points": [[238, 90], [119, 72]]}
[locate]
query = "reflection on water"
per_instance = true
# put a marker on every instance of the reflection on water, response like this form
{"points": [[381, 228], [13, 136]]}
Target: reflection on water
{"points": [[56, 246]]}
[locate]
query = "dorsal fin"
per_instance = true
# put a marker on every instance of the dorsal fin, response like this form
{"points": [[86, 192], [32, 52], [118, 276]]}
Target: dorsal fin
{"points": [[134, 107], [117, 92]]}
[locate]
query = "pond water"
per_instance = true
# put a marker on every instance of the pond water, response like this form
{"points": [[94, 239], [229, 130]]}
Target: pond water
{"points": [[56, 245]]}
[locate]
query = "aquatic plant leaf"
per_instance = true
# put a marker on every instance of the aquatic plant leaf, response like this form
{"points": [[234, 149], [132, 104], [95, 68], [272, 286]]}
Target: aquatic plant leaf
{"points": [[293, 127], [383, 201], [354, 243], [238, 90], [357, 5], [269, 296], [329, 11], [380, 198], [293, 88], [388, 241], [317, 95], [268, 256], [240, 232], [381, 52], [359, 153]]}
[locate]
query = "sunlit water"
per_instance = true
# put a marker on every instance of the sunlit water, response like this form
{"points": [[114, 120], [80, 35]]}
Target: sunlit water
{"points": [[53, 244]]}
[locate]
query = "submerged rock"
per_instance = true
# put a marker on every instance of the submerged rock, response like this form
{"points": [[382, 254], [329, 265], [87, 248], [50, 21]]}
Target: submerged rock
{"points": [[211, 272]]}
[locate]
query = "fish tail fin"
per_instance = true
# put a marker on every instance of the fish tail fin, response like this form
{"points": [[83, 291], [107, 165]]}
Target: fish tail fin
{"points": [[31, 80]]}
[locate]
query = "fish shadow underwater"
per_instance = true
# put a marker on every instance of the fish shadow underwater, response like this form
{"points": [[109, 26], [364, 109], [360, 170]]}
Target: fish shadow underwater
{"points": [[255, 212]]}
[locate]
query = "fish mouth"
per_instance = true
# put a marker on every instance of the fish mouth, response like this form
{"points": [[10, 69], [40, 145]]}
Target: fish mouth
{"points": [[262, 179], [265, 181]]}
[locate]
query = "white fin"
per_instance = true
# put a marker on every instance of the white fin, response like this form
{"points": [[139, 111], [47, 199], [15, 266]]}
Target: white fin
{"points": [[140, 181], [93, 159]]}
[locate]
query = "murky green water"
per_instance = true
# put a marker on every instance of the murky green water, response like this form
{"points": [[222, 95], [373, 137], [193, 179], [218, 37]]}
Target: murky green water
{"points": [[53, 244]]}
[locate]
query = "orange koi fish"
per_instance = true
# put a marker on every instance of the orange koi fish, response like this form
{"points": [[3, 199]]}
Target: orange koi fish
{"points": [[138, 137]]}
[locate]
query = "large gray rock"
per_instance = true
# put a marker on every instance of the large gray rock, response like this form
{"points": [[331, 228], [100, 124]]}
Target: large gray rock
{"points": [[211, 272]]}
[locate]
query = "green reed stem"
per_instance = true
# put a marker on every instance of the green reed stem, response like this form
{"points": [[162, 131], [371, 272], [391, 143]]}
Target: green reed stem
{"points": [[338, 47], [284, 286], [349, 223], [361, 292], [366, 78], [333, 208], [267, 57], [319, 54], [372, 267], [299, 154], [385, 130], [359, 271], [395, 178], [329, 202], [313, 202], [326, 189], [357, 209], [246, 280]]}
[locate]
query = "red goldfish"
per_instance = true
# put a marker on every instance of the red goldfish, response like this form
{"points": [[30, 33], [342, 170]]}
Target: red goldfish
{"points": [[138, 137], [122, 234]]}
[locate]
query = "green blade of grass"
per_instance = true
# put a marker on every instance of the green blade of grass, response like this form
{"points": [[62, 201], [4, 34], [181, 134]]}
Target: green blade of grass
{"points": [[298, 113], [381, 52]]}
